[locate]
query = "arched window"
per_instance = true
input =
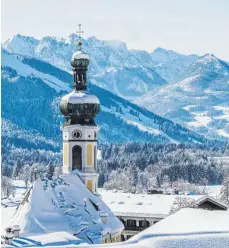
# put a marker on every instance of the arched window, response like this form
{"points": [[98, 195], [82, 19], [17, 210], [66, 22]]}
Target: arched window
{"points": [[95, 157], [77, 157]]}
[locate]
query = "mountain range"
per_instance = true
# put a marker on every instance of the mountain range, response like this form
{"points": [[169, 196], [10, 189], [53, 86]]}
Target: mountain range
{"points": [[127, 73], [31, 92], [167, 83]]}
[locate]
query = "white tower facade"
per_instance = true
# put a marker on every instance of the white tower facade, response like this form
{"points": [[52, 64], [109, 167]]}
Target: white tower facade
{"points": [[80, 153], [80, 131]]}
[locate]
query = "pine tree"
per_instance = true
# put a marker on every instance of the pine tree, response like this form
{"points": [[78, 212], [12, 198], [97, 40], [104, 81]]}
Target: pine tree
{"points": [[16, 169], [50, 171], [134, 180]]}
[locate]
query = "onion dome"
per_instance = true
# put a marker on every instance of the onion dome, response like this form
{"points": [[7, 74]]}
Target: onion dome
{"points": [[80, 107], [80, 58]]}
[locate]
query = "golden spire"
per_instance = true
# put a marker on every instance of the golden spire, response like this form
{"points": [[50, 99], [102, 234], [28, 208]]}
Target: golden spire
{"points": [[80, 43]]}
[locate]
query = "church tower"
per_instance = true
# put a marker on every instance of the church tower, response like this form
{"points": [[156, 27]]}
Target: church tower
{"points": [[80, 131]]}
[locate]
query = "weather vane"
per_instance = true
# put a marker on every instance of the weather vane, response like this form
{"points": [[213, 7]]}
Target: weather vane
{"points": [[79, 32]]}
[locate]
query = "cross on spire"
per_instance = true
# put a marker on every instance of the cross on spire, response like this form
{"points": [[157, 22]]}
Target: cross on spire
{"points": [[80, 31]]}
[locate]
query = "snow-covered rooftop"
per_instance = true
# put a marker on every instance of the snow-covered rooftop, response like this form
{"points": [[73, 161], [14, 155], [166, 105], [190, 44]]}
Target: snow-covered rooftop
{"points": [[65, 205], [187, 228], [142, 205]]}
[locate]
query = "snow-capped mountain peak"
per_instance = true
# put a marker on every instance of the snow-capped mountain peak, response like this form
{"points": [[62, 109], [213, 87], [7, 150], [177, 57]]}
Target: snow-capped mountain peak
{"points": [[170, 64], [206, 64], [207, 58]]}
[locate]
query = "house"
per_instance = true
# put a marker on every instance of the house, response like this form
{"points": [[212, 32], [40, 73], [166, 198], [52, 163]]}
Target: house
{"points": [[139, 211], [186, 228], [209, 203]]}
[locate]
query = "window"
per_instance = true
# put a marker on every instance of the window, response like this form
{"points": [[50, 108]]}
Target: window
{"points": [[144, 223], [77, 158], [131, 223]]}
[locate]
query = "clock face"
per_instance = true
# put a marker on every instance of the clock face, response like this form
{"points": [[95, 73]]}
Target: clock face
{"points": [[76, 134]]}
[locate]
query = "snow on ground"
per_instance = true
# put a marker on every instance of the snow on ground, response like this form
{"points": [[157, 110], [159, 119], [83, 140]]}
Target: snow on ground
{"points": [[202, 119], [139, 120], [222, 132], [187, 83], [225, 112], [189, 107], [6, 215]]}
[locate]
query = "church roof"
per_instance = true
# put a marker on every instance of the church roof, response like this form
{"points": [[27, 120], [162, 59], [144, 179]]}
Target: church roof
{"points": [[65, 205]]}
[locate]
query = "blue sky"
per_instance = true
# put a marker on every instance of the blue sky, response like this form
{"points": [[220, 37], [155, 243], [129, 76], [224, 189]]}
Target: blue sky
{"points": [[194, 26]]}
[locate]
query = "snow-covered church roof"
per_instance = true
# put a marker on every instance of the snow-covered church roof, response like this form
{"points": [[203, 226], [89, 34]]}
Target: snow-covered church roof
{"points": [[65, 205]]}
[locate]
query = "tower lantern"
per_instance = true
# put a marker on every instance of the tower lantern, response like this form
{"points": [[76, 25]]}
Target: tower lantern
{"points": [[80, 131]]}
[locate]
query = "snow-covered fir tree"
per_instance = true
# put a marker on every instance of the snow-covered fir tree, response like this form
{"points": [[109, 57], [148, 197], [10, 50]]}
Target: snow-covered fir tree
{"points": [[224, 193]]}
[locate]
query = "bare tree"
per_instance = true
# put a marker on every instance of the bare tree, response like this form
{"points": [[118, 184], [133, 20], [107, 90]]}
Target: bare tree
{"points": [[25, 174], [182, 202], [7, 187]]}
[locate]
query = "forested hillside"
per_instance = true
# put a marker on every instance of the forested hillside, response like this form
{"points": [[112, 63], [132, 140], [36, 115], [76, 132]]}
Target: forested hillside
{"points": [[135, 166]]}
